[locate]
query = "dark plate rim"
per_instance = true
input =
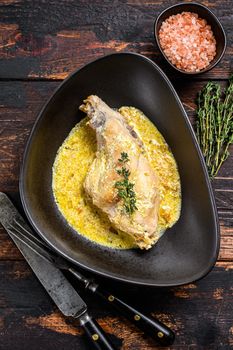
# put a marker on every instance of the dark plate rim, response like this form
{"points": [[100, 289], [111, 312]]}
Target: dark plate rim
{"points": [[211, 65], [210, 190]]}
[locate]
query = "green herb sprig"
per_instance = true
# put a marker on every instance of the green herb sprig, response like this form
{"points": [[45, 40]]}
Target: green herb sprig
{"points": [[125, 187], [214, 125]]}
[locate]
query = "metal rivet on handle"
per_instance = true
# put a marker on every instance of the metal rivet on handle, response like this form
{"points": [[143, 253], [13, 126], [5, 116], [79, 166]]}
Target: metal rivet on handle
{"points": [[160, 334], [95, 337], [111, 298], [137, 317]]}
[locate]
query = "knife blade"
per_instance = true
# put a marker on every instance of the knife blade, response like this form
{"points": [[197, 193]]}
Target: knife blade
{"points": [[53, 280]]}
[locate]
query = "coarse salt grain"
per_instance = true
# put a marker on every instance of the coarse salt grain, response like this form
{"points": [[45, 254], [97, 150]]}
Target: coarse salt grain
{"points": [[187, 41]]}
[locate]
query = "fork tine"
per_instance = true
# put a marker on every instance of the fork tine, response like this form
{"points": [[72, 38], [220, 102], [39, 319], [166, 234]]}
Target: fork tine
{"points": [[38, 246], [29, 234], [29, 237], [37, 249]]}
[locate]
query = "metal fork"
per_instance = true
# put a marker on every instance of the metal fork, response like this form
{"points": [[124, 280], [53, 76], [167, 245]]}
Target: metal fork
{"points": [[42, 249], [154, 328]]}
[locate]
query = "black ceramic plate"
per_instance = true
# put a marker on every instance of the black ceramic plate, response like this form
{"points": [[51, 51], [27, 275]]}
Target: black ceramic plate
{"points": [[189, 249]]}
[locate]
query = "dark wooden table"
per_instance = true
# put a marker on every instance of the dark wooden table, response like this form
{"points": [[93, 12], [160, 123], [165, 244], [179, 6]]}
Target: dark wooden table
{"points": [[41, 42]]}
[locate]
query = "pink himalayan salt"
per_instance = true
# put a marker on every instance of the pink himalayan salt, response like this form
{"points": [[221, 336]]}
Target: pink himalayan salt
{"points": [[187, 41]]}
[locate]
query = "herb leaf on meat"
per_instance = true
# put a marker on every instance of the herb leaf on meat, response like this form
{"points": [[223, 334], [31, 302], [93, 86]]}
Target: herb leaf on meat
{"points": [[124, 188]]}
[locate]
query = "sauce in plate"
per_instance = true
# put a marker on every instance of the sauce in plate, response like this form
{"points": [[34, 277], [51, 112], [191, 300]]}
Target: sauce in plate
{"points": [[70, 168]]}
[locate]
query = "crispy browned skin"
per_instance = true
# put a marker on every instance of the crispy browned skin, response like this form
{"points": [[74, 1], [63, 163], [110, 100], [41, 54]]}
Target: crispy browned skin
{"points": [[115, 136]]}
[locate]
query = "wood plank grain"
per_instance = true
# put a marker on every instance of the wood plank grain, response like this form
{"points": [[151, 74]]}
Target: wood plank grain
{"points": [[51, 39], [27, 312]]}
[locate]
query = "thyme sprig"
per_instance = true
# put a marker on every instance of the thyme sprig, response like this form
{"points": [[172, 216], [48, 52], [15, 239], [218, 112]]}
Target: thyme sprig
{"points": [[214, 125], [124, 187], [124, 157]]}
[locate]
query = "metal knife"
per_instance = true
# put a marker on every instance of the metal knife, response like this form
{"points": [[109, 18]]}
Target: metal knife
{"points": [[58, 287]]}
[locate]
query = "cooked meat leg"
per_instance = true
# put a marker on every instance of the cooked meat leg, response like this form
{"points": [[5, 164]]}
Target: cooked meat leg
{"points": [[115, 136]]}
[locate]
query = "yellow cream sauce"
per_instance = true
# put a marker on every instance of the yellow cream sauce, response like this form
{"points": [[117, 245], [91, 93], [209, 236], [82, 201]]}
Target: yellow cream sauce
{"points": [[70, 168]]}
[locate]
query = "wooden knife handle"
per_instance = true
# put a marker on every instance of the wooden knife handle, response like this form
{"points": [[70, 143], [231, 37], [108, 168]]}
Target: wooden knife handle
{"points": [[149, 325], [95, 333]]}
